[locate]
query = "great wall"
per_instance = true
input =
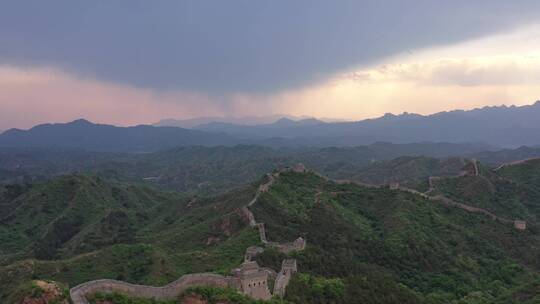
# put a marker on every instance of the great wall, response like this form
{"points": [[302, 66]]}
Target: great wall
{"points": [[514, 163], [248, 278], [518, 224]]}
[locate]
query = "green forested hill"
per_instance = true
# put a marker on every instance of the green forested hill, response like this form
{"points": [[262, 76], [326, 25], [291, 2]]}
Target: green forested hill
{"points": [[78, 228], [526, 173], [217, 169], [511, 192], [409, 171], [74, 214], [387, 246], [365, 245]]}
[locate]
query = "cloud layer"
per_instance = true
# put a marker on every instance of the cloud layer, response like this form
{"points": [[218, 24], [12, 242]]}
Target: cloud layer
{"points": [[31, 96], [492, 70], [223, 47]]}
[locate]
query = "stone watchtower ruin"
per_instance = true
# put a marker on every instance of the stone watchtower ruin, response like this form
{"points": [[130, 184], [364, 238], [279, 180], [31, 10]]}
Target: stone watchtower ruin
{"points": [[288, 268], [520, 225], [252, 280]]}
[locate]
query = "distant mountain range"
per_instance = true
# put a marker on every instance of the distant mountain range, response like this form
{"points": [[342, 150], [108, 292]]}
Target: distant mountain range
{"points": [[500, 126], [244, 121], [260, 131], [82, 134], [496, 126]]}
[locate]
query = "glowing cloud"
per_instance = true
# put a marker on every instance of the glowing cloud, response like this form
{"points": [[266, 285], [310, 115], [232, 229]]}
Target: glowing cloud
{"points": [[32, 96]]}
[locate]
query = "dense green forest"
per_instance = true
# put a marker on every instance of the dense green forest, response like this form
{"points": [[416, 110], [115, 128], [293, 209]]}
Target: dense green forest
{"points": [[365, 244], [214, 170], [386, 242], [78, 228]]}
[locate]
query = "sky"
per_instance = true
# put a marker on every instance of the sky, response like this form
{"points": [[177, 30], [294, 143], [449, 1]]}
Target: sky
{"points": [[134, 62]]}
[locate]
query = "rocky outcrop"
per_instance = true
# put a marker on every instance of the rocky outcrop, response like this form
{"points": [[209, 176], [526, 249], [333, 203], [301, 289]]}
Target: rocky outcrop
{"points": [[47, 292]]}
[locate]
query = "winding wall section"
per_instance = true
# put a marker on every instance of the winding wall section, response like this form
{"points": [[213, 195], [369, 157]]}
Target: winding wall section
{"points": [[170, 291], [79, 293]]}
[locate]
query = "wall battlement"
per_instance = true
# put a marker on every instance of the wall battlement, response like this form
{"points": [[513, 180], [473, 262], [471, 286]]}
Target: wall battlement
{"points": [[170, 291]]}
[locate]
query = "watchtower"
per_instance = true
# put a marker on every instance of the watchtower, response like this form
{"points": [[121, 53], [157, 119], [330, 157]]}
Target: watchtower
{"points": [[299, 244], [289, 265], [253, 280], [252, 252], [394, 186], [520, 225]]}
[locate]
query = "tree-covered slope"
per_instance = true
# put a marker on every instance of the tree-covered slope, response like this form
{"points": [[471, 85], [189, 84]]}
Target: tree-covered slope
{"points": [[73, 214], [77, 228], [512, 192], [409, 171], [365, 244], [389, 246], [218, 169], [526, 173]]}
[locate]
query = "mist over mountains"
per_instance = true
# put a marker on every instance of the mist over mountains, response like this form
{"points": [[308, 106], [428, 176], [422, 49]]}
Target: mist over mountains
{"points": [[245, 121], [496, 126]]}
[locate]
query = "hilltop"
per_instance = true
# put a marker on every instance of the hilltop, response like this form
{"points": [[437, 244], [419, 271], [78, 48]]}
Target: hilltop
{"points": [[82, 134], [497, 126]]}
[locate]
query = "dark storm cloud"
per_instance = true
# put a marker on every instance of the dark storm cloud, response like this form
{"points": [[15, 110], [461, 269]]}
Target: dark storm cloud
{"points": [[227, 46]]}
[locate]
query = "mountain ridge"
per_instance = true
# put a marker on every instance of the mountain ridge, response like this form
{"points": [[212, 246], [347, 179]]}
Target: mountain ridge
{"points": [[497, 126], [84, 134]]}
